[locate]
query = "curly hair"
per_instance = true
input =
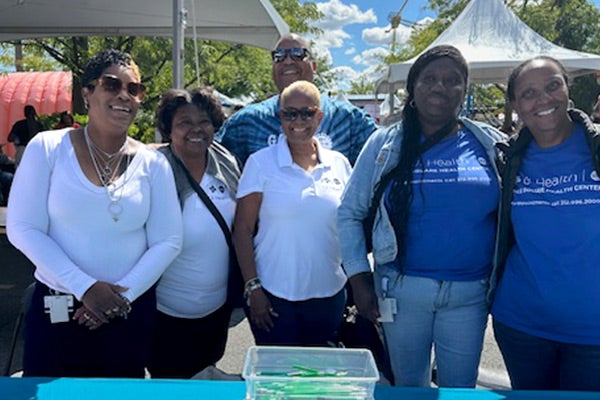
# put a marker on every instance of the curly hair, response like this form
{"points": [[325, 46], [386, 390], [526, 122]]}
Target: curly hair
{"points": [[103, 60], [173, 99], [401, 189], [514, 75]]}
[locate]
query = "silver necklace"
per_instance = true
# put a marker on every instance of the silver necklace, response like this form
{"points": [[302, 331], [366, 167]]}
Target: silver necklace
{"points": [[107, 175]]}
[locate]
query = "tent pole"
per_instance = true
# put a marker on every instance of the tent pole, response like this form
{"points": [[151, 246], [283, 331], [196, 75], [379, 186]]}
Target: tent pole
{"points": [[179, 21]]}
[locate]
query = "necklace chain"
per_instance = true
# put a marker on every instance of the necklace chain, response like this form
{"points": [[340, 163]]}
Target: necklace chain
{"points": [[107, 166]]}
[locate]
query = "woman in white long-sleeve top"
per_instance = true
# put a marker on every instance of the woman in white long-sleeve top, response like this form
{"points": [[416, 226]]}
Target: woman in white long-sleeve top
{"points": [[97, 214]]}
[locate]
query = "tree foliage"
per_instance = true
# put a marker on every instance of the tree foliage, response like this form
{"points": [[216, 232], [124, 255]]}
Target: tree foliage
{"points": [[362, 86]]}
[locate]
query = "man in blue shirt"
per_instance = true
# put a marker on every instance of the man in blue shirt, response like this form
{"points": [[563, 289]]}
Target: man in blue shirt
{"points": [[344, 127]]}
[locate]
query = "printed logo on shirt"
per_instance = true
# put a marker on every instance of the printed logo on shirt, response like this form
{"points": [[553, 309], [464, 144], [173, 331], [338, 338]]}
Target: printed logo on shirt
{"points": [[324, 140], [451, 170], [575, 189], [272, 139]]}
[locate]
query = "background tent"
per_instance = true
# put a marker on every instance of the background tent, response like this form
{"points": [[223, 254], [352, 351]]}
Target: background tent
{"points": [[494, 41], [48, 92], [251, 22]]}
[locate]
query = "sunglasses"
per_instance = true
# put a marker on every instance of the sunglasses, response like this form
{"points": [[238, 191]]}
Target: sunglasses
{"points": [[306, 114], [295, 53], [114, 85]]}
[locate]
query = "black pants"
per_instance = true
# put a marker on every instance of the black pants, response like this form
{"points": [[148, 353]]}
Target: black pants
{"points": [[312, 322], [183, 347], [117, 349]]}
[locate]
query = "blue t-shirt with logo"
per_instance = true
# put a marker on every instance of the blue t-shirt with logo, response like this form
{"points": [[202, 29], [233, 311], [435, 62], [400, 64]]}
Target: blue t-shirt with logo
{"points": [[551, 284], [452, 222]]}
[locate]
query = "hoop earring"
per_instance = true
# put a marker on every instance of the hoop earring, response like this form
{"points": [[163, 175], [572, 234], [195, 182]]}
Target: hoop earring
{"points": [[412, 104]]}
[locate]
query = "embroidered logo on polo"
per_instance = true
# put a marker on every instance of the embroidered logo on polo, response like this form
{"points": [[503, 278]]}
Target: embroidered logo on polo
{"points": [[332, 183], [216, 191]]}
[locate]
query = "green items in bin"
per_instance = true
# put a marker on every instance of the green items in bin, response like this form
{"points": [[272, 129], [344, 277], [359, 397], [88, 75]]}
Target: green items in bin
{"points": [[273, 372]]}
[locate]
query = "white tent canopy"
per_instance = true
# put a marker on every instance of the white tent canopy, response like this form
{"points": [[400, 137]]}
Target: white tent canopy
{"points": [[493, 40], [251, 22]]}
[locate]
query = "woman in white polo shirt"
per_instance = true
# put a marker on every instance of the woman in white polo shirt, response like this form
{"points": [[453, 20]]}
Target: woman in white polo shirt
{"points": [[285, 230]]}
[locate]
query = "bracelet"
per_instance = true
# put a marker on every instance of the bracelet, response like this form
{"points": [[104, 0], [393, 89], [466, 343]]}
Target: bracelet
{"points": [[251, 286], [127, 309], [251, 282]]}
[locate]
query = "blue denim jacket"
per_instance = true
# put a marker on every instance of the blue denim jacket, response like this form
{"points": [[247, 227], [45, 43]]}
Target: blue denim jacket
{"points": [[379, 155]]}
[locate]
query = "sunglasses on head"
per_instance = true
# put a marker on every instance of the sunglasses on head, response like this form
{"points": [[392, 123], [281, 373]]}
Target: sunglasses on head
{"points": [[114, 85], [295, 53], [292, 114]]}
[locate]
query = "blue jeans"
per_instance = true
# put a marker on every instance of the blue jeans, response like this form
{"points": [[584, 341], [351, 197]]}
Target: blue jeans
{"points": [[450, 316], [312, 322], [534, 363]]}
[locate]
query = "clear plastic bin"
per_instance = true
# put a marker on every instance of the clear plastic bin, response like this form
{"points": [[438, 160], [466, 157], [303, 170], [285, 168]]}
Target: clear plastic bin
{"points": [[273, 372]]}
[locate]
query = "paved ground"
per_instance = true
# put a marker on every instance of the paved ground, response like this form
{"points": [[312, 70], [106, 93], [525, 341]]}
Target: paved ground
{"points": [[16, 273]]}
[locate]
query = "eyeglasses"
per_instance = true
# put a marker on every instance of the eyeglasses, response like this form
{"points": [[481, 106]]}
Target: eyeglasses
{"points": [[306, 114], [114, 85], [295, 53]]}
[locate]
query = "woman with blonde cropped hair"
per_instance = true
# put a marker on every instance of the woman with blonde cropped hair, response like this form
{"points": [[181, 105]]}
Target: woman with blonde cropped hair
{"points": [[285, 232]]}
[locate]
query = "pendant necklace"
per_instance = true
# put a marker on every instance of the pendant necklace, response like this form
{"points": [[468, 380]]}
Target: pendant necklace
{"points": [[107, 167]]}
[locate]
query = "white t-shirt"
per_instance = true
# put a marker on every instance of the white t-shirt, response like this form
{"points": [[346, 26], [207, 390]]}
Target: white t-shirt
{"points": [[61, 221], [296, 248], [195, 284]]}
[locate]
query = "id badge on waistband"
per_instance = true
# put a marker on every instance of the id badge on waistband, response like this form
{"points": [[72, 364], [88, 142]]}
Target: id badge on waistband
{"points": [[58, 307], [387, 309], [387, 305]]}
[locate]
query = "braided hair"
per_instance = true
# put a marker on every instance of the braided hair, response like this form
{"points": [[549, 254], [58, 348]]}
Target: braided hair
{"points": [[401, 188]]}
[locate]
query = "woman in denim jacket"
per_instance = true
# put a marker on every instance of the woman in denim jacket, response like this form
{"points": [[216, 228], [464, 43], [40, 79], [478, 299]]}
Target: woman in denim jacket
{"points": [[434, 228]]}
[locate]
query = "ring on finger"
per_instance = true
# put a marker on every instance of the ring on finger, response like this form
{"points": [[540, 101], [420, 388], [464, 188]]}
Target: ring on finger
{"points": [[87, 316]]}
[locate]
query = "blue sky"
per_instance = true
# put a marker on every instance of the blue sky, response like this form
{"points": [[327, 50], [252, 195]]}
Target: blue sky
{"points": [[356, 31]]}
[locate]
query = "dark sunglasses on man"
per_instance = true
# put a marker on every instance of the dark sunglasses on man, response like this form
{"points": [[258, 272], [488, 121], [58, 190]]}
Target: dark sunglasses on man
{"points": [[291, 114], [114, 85], [295, 53]]}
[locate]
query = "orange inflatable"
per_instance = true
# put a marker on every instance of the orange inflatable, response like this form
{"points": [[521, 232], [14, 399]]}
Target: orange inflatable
{"points": [[48, 92]]}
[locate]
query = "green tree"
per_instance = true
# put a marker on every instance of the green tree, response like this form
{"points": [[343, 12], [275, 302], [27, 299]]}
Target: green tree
{"points": [[362, 86]]}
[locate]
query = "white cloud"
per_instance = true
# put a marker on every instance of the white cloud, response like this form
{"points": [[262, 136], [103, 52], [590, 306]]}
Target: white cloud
{"points": [[337, 14], [332, 38], [371, 56], [383, 35], [345, 73], [322, 51], [350, 51]]}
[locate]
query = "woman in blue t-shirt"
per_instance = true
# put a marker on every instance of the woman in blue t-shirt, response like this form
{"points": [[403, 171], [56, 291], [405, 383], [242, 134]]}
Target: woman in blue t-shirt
{"points": [[546, 313], [434, 228]]}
